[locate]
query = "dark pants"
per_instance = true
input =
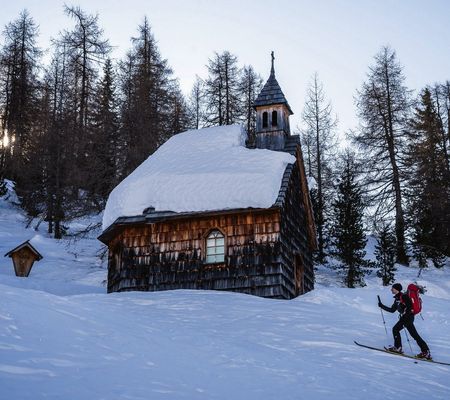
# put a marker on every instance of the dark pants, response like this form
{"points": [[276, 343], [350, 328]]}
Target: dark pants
{"points": [[407, 321]]}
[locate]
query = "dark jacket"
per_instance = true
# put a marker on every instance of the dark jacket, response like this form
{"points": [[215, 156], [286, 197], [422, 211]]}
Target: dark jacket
{"points": [[402, 304]]}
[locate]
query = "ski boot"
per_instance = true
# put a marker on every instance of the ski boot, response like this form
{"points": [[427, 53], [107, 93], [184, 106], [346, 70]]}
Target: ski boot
{"points": [[394, 349], [425, 355]]}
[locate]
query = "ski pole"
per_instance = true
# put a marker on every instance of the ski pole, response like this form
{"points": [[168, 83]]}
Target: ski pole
{"points": [[382, 316], [407, 338]]}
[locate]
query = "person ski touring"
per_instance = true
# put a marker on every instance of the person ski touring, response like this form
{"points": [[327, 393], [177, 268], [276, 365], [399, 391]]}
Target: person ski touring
{"points": [[402, 304]]}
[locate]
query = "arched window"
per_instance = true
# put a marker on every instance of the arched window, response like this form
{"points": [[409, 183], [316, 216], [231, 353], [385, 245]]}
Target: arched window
{"points": [[215, 247], [274, 118], [265, 119]]}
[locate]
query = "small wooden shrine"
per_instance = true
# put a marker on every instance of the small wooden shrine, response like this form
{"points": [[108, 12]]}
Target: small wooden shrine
{"points": [[24, 256]]}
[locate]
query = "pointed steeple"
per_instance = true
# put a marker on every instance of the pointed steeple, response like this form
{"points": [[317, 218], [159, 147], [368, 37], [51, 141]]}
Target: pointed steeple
{"points": [[271, 93], [272, 115]]}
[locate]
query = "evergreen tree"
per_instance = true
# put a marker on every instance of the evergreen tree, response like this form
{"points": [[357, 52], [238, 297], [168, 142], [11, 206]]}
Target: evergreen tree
{"points": [[19, 58], [127, 106], [429, 183], [385, 251], [320, 142], [21, 110], [383, 106], [106, 140], [441, 99], [152, 104], [348, 235], [177, 116], [29, 185]]}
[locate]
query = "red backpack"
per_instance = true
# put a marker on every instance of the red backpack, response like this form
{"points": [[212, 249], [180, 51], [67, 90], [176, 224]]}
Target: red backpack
{"points": [[413, 293]]}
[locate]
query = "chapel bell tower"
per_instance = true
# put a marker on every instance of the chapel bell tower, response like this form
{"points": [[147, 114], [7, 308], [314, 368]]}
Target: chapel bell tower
{"points": [[272, 115]]}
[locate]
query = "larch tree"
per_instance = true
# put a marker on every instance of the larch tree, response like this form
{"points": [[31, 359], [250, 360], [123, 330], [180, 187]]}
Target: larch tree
{"points": [[196, 103], [383, 106], [58, 158], [86, 51], [222, 95], [319, 138], [86, 48]]}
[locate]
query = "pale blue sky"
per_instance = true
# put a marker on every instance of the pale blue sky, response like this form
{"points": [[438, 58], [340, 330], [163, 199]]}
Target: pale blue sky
{"points": [[338, 39]]}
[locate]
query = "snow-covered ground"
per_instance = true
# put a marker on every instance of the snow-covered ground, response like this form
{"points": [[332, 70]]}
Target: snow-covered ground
{"points": [[63, 337]]}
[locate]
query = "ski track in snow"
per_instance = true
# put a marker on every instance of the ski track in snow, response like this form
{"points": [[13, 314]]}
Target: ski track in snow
{"points": [[62, 336]]}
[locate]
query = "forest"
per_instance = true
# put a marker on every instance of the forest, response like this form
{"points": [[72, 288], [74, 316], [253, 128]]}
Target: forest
{"points": [[73, 128]]}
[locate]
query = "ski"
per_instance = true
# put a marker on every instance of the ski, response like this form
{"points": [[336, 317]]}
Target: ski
{"points": [[384, 350]]}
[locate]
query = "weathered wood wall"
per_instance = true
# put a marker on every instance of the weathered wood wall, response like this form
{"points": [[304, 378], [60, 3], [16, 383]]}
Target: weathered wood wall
{"points": [[296, 247], [169, 255]]}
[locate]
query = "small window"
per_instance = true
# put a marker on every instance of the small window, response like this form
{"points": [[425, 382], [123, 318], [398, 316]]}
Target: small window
{"points": [[274, 118], [265, 119], [215, 247]]}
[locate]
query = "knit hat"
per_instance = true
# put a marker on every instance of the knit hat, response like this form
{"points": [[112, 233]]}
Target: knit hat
{"points": [[397, 286]]}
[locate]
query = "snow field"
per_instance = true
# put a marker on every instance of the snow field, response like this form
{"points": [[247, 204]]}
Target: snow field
{"points": [[62, 336]]}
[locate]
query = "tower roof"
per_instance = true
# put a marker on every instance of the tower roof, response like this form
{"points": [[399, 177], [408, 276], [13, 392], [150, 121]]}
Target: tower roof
{"points": [[271, 92]]}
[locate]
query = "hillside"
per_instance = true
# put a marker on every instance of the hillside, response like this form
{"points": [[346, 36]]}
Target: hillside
{"points": [[63, 337]]}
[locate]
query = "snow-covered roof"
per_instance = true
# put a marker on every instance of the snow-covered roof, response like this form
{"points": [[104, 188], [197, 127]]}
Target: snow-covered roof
{"points": [[21, 246], [201, 170]]}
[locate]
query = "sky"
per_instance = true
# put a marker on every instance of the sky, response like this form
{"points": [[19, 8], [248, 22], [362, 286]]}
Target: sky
{"points": [[336, 39]]}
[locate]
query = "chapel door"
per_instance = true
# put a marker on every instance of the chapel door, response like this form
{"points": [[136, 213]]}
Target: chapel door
{"points": [[299, 275]]}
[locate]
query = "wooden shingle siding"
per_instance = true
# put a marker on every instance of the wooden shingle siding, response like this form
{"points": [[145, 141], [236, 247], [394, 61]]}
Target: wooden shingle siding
{"points": [[294, 233], [170, 255]]}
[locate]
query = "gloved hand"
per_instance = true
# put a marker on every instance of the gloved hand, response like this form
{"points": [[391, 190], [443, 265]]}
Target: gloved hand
{"points": [[379, 304]]}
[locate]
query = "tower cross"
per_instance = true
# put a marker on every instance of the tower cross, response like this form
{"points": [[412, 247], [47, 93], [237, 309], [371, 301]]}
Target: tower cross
{"points": [[272, 70]]}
